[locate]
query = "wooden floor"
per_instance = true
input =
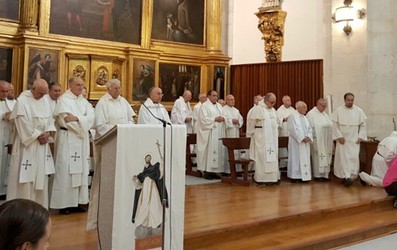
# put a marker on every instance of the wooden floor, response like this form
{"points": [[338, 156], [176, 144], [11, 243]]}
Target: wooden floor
{"points": [[222, 216]]}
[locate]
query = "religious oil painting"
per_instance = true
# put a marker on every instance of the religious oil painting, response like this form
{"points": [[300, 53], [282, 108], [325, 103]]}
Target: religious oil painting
{"points": [[219, 81], [143, 80], [9, 9], [175, 79], [112, 20], [42, 64], [5, 64], [179, 21]]}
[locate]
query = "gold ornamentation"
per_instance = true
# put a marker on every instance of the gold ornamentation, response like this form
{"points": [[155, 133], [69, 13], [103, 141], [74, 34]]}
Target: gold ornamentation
{"points": [[271, 24], [116, 74], [102, 76], [79, 71]]}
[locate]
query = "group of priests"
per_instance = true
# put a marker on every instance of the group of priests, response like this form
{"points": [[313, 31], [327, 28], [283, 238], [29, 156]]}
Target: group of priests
{"points": [[50, 137]]}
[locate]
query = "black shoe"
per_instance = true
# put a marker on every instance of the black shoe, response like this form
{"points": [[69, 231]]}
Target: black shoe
{"points": [[296, 181], [215, 176], [347, 182], [207, 176], [3, 197], [363, 182], [64, 211], [259, 183]]}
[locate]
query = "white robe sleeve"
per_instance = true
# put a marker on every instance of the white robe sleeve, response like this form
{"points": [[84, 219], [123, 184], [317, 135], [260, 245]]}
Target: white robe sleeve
{"points": [[101, 123], [177, 116], [295, 128]]}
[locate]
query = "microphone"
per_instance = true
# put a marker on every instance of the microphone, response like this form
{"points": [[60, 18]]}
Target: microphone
{"points": [[158, 118]]}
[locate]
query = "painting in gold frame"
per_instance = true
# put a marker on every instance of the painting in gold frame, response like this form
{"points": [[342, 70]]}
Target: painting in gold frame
{"points": [[42, 64], [143, 78], [9, 9], [175, 79], [179, 21], [5, 64], [112, 20], [219, 81]]}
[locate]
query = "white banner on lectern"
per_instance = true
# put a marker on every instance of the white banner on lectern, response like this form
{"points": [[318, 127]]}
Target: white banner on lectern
{"points": [[137, 218]]}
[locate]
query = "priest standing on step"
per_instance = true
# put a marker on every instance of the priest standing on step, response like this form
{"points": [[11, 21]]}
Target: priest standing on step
{"points": [[262, 127], [157, 110], [299, 139], [75, 117], [349, 129], [31, 160], [321, 148], [211, 128]]}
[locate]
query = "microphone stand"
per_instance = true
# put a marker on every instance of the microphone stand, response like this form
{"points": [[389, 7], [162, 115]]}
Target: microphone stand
{"points": [[164, 201]]}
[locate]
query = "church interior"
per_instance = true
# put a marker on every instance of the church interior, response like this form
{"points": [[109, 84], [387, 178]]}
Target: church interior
{"points": [[298, 48]]}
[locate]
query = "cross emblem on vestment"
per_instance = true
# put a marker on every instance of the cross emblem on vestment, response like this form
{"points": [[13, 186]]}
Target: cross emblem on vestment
{"points": [[75, 156], [27, 164], [48, 157], [214, 160], [306, 173], [270, 150], [214, 152], [322, 156]]}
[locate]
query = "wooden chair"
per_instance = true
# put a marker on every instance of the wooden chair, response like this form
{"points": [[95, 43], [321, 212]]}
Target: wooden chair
{"points": [[191, 140], [233, 144]]}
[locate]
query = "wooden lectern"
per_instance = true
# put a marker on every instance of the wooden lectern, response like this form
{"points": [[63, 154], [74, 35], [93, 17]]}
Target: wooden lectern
{"points": [[123, 154], [367, 151]]}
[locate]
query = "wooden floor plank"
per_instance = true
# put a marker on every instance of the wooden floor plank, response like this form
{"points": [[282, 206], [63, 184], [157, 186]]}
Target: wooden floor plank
{"points": [[218, 207]]}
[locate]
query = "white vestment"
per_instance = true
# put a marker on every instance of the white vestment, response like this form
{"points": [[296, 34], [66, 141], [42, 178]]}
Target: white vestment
{"points": [[348, 123], [157, 109], [321, 148], [52, 103], [387, 151], [262, 127], [283, 112], [232, 131], [6, 137], [31, 162], [109, 112], [196, 110], [72, 161], [180, 111], [299, 152], [210, 150]]}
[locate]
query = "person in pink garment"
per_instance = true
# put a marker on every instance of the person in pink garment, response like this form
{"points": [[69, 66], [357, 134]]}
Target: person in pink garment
{"points": [[390, 180]]}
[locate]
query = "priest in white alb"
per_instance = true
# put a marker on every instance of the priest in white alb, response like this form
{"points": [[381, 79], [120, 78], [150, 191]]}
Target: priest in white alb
{"points": [[283, 112], [321, 148], [182, 113], [5, 135], [262, 127], [202, 98], [158, 113], [300, 137], [349, 129], [75, 117], [112, 109], [210, 129], [386, 151], [31, 161], [54, 93], [233, 122]]}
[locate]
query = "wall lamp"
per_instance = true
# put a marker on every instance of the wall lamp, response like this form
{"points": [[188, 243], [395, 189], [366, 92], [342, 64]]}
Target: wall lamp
{"points": [[348, 13]]}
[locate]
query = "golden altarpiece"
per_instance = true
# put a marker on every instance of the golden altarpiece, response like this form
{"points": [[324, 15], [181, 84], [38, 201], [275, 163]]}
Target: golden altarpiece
{"points": [[124, 39]]}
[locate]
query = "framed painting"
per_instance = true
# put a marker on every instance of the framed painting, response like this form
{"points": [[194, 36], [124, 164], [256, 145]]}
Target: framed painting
{"points": [[143, 78], [112, 20], [219, 81], [5, 64], [175, 79], [179, 21], [42, 64], [9, 9]]}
